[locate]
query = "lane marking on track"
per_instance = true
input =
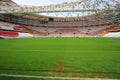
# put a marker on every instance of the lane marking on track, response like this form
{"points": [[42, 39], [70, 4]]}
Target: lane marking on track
{"points": [[51, 77]]}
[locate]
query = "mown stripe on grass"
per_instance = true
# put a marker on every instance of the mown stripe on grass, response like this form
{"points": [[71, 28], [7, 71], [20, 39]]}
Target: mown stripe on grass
{"points": [[58, 50]]}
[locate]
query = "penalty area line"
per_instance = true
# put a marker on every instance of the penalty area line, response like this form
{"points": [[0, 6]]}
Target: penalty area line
{"points": [[51, 77]]}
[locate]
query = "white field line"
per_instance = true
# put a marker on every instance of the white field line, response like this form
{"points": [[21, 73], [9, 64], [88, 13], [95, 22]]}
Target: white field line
{"points": [[50, 77]]}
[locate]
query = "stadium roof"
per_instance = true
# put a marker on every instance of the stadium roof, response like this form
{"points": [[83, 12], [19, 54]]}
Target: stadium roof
{"points": [[66, 8], [39, 2]]}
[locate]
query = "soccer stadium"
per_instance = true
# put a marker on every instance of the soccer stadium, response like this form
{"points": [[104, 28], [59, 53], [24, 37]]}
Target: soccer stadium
{"points": [[59, 39]]}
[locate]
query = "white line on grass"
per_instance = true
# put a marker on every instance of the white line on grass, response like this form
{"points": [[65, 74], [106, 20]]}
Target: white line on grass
{"points": [[51, 77]]}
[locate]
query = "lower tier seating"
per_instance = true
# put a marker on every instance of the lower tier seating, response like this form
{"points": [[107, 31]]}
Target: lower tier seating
{"points": [[8, 34]]}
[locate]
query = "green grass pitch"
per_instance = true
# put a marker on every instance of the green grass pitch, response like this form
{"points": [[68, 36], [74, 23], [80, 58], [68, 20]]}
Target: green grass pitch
{"points": [[71, 57]]}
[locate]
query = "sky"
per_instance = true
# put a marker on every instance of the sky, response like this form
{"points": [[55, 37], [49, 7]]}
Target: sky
{"points": [[39, 2]]}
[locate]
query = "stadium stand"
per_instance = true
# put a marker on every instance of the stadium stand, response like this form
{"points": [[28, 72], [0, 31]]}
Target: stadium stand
{"points": [[8, 34], [24, 35], [7, 26], [1, 38], [113, 34], [11, 34], [35, 25]]}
